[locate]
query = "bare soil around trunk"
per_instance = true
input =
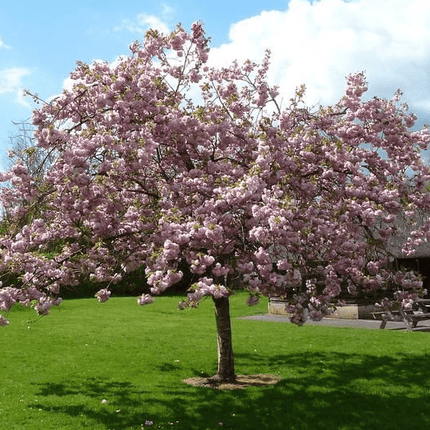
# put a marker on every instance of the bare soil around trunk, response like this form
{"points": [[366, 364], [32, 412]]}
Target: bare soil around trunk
{"points": [[242, 381]]}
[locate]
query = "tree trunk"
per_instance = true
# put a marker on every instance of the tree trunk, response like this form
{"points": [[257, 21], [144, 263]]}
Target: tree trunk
{"points": [[225, 351]]}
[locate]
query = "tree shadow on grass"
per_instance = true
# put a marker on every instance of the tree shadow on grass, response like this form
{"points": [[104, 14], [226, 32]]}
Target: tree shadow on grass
{"points": [[112, 403], [350, 391], [319, 391]]}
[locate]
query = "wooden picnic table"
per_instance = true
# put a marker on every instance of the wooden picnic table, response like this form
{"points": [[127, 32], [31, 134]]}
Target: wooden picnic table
{"points": [[419, 311]]}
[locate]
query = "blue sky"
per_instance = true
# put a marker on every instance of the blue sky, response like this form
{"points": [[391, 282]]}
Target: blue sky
{"points": [[313, 42]]}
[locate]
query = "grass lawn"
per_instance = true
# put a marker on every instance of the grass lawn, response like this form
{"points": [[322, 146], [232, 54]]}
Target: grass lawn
{"points": [[116, 365]]}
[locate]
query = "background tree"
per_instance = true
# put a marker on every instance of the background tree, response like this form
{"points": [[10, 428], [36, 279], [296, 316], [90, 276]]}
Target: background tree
{"points": [[36, 160], [24, 150], [287, 201]]}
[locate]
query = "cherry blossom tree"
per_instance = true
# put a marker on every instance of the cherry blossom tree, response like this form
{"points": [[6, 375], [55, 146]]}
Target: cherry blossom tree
{"points": [[163, 160]]}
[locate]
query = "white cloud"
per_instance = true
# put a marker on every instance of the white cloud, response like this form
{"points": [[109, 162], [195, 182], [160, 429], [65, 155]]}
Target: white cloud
{"points": [[151, 21], [144, 22], [3, 45], [67, 86], [11, 83], [167, 11], [319, 43]]}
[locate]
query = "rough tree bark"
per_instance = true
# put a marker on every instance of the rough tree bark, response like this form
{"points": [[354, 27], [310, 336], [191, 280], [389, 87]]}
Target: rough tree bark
{"points": [[225, 350]]}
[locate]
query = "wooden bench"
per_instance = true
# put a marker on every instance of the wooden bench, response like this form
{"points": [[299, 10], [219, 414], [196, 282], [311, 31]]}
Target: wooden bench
{"points": [[420, 311], [385, 316]]}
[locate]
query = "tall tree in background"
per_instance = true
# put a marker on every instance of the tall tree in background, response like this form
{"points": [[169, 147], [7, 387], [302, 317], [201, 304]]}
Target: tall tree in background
{"points": [[36, 160], [24, 150], [286, 201]]}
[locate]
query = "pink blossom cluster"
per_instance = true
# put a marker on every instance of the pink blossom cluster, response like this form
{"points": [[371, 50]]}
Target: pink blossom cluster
{"points": [[160, 280], [206, 287], [3, 321], [145, 299], [41, 303], [8, 297], [253, 300], [103, 295], [44, 304]]}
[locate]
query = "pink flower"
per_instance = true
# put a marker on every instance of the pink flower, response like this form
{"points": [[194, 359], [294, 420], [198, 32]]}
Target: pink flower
{"points": [[171, 250], [252, 300], [145, 299], [44, 305], [6, 299], [3, 321], [103, 295]]}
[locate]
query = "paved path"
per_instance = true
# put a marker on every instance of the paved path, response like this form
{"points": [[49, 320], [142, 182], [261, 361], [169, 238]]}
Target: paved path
{"points": [[334, 322]]}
